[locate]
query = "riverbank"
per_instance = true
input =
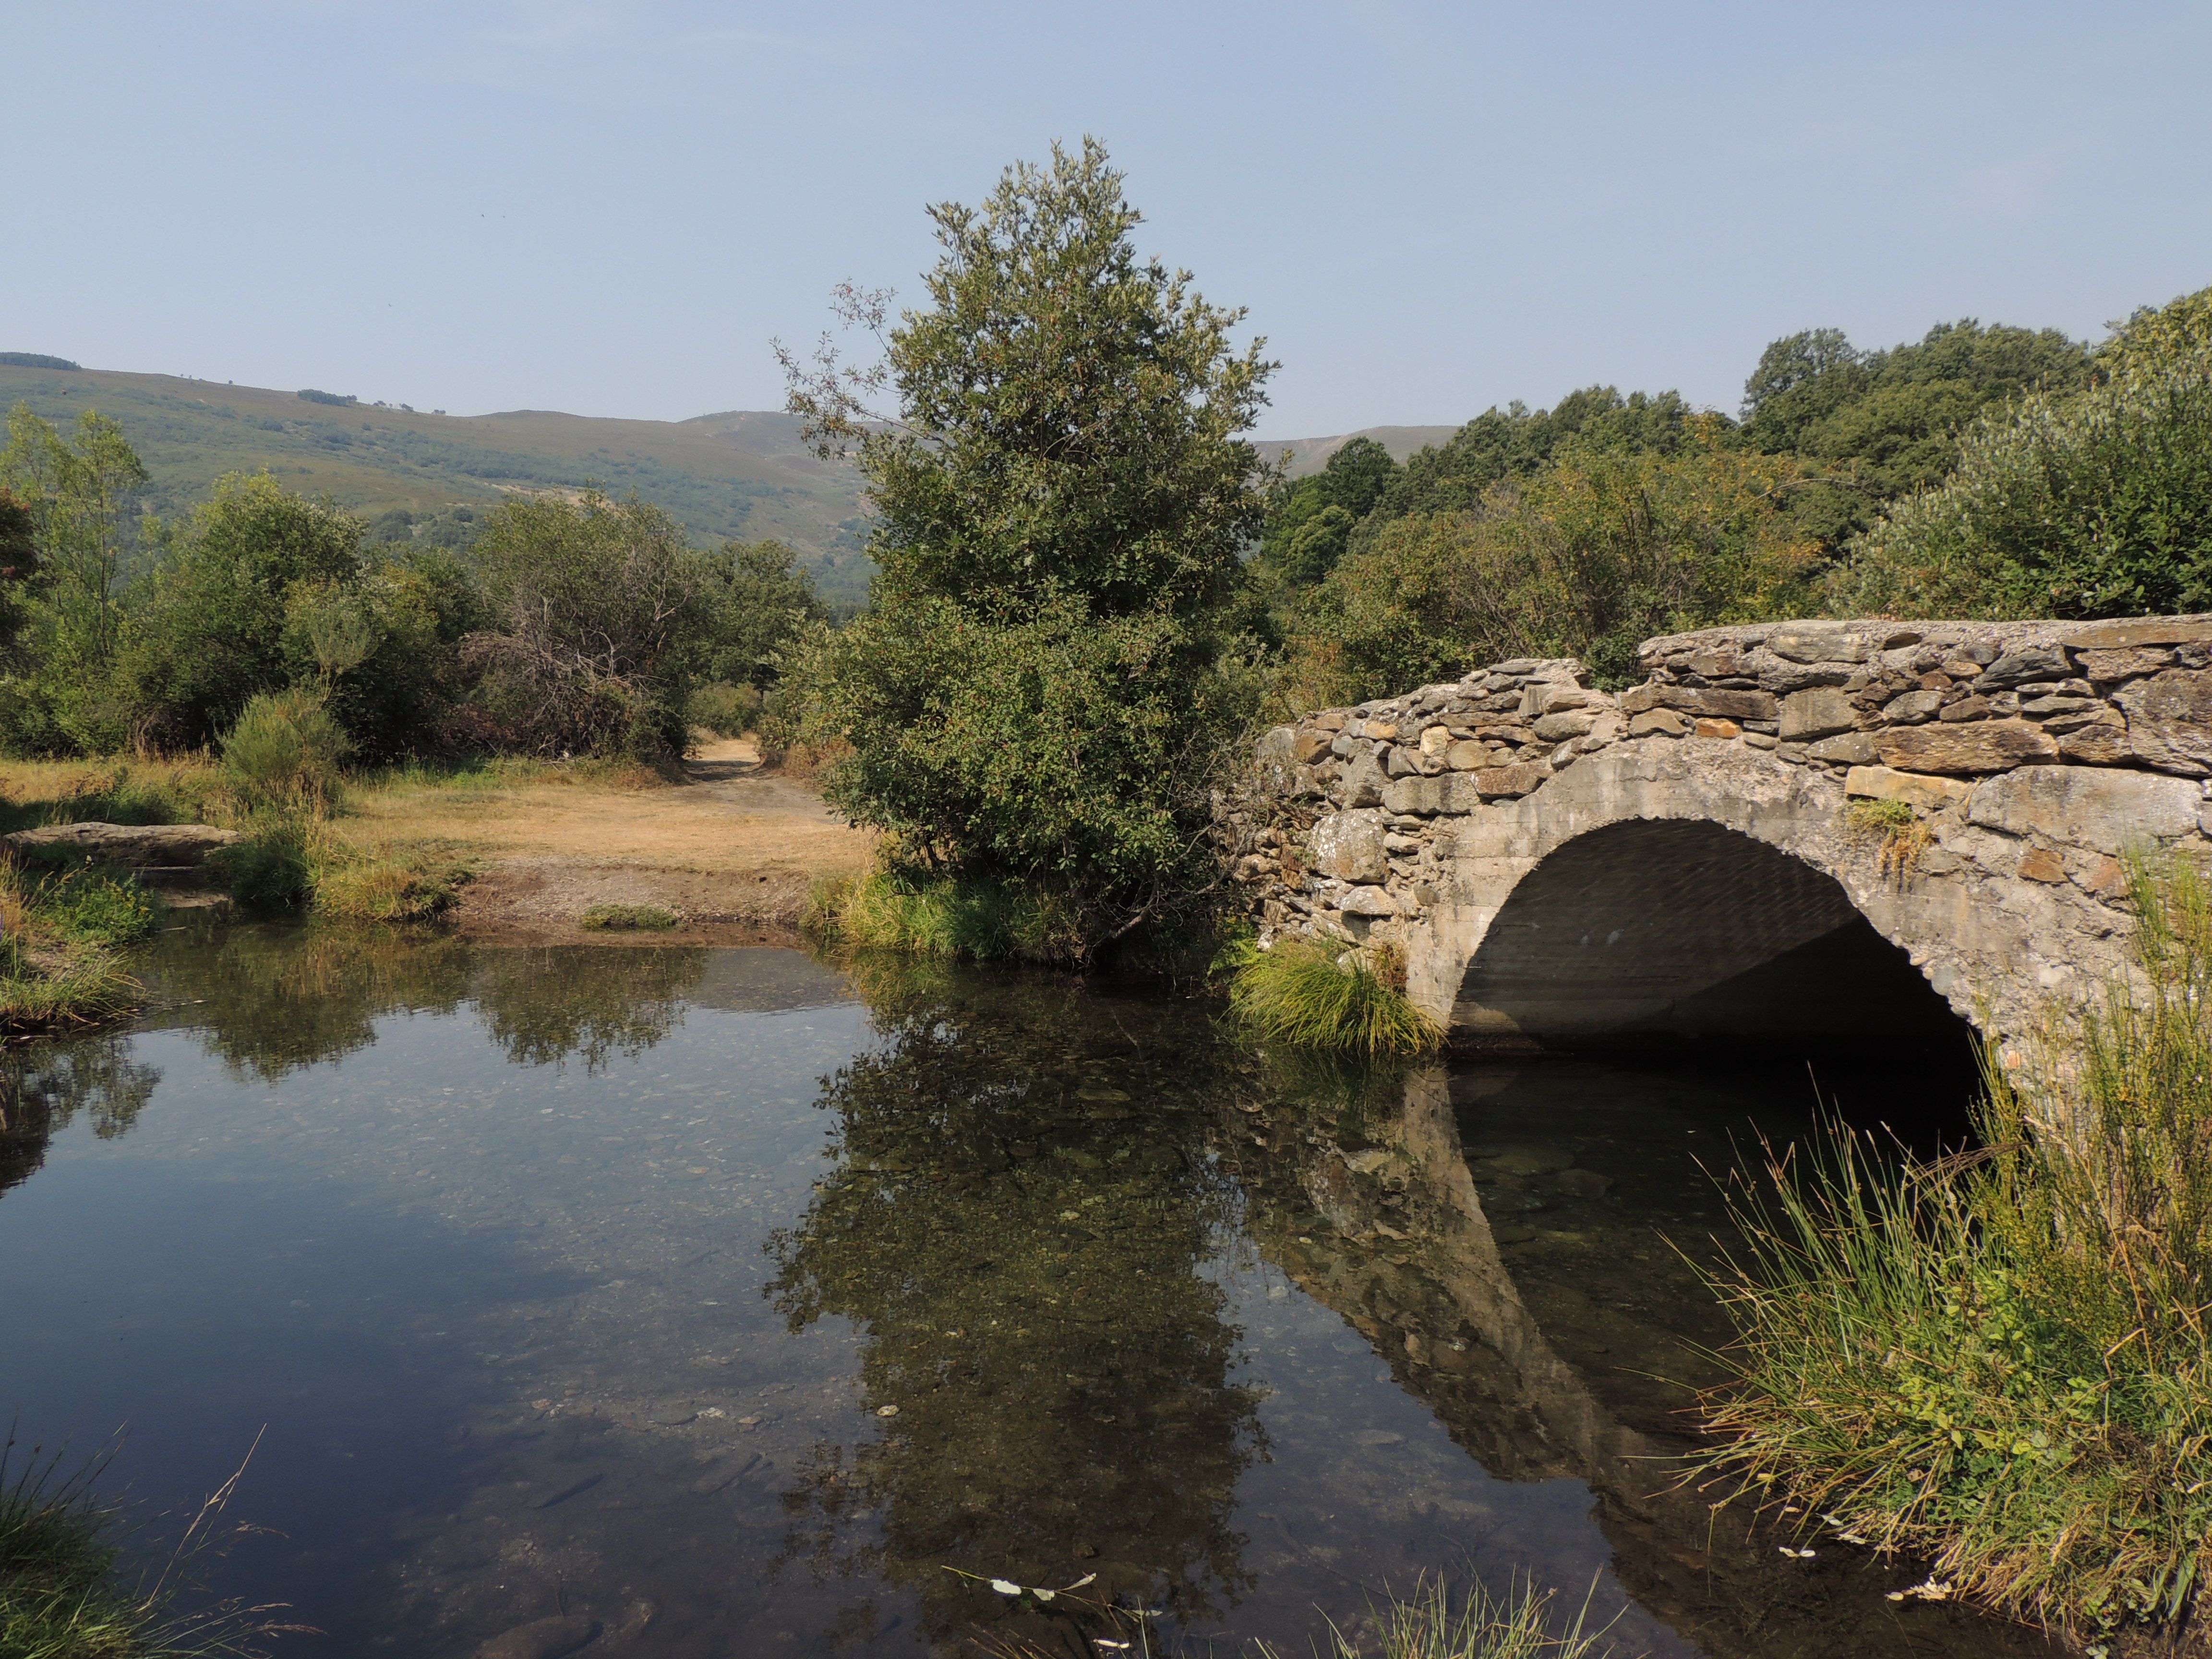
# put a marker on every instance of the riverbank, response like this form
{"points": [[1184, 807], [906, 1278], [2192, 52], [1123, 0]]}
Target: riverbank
{"points": [[730, 848]]}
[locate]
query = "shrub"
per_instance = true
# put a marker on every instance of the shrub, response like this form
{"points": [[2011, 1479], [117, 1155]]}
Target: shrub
{"points": [[1592, 555], [948, 918], [2092, 504], [726, 710], [1314, 996], [2001, 1362], [285, 751], [99, 909], [626, 918], [272, 867], [382, 889]]}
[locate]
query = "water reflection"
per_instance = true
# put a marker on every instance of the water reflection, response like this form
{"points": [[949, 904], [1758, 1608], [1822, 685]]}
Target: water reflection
{"points": [[43, 1087], [1019, 1219], [546, 1005]]}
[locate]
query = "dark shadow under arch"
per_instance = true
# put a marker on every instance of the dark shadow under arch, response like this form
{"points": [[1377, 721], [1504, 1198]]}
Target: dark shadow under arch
{"points": [[1675, 929]]}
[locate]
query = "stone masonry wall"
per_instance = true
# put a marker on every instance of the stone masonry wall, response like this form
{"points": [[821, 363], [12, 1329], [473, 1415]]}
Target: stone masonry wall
{"points": [[2030, 753]]}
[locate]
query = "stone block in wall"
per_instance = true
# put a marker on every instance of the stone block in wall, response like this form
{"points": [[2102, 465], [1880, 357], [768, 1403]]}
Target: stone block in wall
{"points": [[1815, 712], [1882, 783], [1851, 749], [1417, 797], [1712, 701], [1664, 721], [1348, 847], [2101, 741], [1975, 747], [1504, 782], [2022, 663], [2106, 667], [1465, 757], [1824, 641], [2170, 720], [1363, 781], [1309, 745], [1913, 708], [2121, 636], [1562, 725], [1368, 902], [2092, 806]]}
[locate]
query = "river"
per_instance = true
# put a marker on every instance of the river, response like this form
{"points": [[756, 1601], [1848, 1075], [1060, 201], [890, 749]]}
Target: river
{"points": [[735, 1303]]}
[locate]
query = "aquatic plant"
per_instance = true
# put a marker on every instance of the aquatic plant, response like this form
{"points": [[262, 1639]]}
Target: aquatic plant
{"points": [[625, 918], [1315, 996], [2000, 1361], [1430, 1623]]}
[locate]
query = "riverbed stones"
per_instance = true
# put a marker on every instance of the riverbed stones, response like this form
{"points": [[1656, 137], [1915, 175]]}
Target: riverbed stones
{"points": [[542, 1638]]}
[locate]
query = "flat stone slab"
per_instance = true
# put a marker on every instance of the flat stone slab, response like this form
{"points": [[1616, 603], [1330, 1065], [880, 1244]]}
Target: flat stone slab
{"points": [[138, 844]]}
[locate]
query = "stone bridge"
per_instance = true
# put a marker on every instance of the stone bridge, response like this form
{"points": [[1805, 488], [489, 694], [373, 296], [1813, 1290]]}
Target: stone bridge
{"points": [[1764, 837]]}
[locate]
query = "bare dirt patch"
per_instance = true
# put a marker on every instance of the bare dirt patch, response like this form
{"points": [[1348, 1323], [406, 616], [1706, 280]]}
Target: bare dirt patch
{"points": [[730, 850]]}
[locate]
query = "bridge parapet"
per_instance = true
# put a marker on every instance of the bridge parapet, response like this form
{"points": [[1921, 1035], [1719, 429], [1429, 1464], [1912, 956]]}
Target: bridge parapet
{"points": [[1532, 843]]}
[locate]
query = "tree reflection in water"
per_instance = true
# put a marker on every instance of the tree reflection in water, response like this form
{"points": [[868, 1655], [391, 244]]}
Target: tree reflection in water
{"points": [[1019, 1221], [548, 1005], [43, 1088]]}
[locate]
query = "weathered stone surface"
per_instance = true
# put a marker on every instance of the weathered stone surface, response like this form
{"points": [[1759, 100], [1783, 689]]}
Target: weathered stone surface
{"points": [[1466, 755], [2101, 743], [1817, 641], [1363, 781], [1913, 708], [1715, 701], [1851, 749], [1436, 740], [2041, 864], [2107, 666], [2025, 663], [1975, 747], [1665, 722], [1560, 727], [1914, 789], [1966, 708], [2170, 720], [1369, 902], [1495, 782], [1816, 713], [1348, 847], [2087, 806], [1308, 746], [1413, 797], [1401, 763], [2150, 630], [1711, 728], [143, 845]]}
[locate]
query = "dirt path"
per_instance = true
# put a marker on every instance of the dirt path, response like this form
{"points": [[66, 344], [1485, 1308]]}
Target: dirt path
{"points": [[731, 851]]}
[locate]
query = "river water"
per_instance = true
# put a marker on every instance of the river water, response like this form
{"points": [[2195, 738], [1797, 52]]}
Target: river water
{"points": [[733, 1303]]}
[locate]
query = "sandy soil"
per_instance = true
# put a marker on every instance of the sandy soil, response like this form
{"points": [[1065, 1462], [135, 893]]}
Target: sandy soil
{"points": [[731, 851]]}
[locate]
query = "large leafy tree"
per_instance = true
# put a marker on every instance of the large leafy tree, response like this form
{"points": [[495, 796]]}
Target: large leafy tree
{"points": [[1061, 501]]}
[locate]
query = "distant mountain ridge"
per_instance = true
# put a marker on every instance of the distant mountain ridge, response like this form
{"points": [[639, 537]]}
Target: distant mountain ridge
{"points": [[740, 474]]}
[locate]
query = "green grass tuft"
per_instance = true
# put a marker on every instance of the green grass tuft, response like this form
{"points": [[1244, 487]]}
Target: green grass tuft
{"points": [[625, 918], [2001, 1362], [971, 921], [1432, 1623], [1313, 996]]}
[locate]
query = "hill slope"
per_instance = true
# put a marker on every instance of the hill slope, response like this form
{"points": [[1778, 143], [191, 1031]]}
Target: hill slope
{"points": [[739, 474]]}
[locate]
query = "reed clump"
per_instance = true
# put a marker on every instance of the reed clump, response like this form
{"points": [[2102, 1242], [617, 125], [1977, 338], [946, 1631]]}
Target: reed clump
{"points": [[1312, 995], [2000, 1361]]}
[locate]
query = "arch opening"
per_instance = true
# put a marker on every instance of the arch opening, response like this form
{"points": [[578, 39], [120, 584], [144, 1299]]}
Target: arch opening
{"points": [[1662, 930]]}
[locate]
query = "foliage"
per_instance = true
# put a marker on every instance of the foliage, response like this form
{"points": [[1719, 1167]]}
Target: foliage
{"points": [[285, 753], [272, 867], [628, 918], [95, 908], [1313, 996], [2000, 1361], [944, 917], [1516, 442], [383, 890], [1310, 523], [726, 710], [759, 599], [19, 564], [1891, 421], [56, 969], [1062, 500], [597, 607], [1587, 558], [2097, 503]]}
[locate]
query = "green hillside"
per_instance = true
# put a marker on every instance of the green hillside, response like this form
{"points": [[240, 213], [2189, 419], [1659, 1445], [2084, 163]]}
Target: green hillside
{"points": [[739, 474], [742, 475]]}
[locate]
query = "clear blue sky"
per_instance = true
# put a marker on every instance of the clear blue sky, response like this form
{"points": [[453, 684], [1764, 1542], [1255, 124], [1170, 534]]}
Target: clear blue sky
{"points": [[611, 208]]}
